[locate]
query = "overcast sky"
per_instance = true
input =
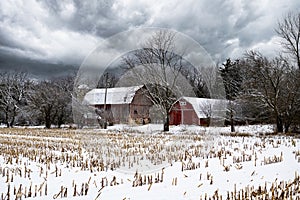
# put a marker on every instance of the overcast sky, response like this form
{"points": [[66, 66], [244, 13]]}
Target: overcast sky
{"points": [[53, 37]]}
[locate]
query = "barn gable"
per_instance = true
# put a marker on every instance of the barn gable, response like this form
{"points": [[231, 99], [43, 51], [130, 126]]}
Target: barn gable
{"points": [[202, 106], [198, 111]]}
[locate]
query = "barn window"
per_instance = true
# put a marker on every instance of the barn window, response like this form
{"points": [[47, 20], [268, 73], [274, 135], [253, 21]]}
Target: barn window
{"points": [[182, 103]]}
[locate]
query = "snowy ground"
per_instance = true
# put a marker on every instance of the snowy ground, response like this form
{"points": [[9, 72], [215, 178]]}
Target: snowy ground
{"points": [[140, 162], [156, 128]]}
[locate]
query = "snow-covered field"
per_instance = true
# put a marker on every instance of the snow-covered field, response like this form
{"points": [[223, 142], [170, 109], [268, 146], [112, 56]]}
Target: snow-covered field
{"points": [[140, 162]]}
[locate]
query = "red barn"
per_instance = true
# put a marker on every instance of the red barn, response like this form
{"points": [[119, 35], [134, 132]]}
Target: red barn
{"points": [[197, 111], [127, 104]]}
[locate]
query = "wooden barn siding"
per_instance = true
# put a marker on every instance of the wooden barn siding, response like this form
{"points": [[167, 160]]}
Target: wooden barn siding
{"points": [[175, 114], [141, 104], [120, 112], [186, 111]]}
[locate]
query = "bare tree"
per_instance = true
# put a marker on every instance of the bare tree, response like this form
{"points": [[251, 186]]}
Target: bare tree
{"points": [[12, 89], [158, 66], [63, 109], [290, 106], [42, 98], [289, 30], [52, 100], [273, 86]]}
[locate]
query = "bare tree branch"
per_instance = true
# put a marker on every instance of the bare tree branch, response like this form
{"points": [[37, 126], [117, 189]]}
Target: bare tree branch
{"points": [[289, 30]]}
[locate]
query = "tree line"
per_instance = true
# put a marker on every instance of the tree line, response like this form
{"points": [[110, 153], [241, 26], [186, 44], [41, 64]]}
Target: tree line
{"points": [[267, 90], [27, 102]]}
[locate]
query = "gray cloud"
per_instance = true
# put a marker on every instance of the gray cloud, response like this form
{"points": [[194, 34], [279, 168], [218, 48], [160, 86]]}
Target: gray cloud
{"points": [[64, 32], [35, 69]]}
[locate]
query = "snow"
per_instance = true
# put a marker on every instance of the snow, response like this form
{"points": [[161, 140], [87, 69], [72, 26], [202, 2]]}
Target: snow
{"points": [[118, 95], [157, 128], [213, 163]]}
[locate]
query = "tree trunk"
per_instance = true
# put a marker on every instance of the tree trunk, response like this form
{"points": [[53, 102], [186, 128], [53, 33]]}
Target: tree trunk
{"points": [[167, 123], [60, 119], [12, 121], [279, 125], [48, 122], [6, 119], [231, 121], [8, 122], [47, 115], [286, 127]]}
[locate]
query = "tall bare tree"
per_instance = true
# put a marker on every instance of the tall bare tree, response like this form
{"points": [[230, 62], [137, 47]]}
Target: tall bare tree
{"points": [[13, 86], [273, 85], [289, 30], [42, 100], [158, 66], [51, 99], [63, 108]]}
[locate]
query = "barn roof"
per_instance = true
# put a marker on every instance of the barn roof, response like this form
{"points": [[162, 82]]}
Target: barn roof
{"points": [[118, 95], [202, 105]]}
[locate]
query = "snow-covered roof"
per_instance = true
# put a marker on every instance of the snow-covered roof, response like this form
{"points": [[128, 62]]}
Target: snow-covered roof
{"points": [[118, 95], [202, 106]]}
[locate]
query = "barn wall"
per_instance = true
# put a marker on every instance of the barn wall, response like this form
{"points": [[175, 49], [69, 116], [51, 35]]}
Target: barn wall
{"points": [[120, 113], [175, 114], [204, 122], [140, 106], [183, 114]]}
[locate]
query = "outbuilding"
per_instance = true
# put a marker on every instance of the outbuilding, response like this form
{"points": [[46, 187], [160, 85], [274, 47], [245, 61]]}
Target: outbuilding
{"points": [[198, 111]]}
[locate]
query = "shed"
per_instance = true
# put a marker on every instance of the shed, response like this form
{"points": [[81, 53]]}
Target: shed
{"points": [[197, 111]]}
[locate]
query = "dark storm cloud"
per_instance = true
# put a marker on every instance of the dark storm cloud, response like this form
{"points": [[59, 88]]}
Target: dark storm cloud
{"points": [[97, 17], [81, 16], [62, 33], [35, 69]]}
